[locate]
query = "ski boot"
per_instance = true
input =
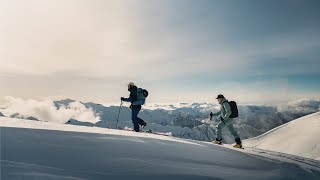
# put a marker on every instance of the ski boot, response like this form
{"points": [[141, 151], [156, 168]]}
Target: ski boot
{"points": [[238, 143], [143, 124], [217, 141]]}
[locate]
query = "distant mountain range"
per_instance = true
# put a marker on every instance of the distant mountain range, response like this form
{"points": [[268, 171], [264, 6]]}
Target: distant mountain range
{"points": [[191, 120]]}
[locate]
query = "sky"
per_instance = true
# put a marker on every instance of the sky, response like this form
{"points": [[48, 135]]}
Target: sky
{"points": [[254, 52]]}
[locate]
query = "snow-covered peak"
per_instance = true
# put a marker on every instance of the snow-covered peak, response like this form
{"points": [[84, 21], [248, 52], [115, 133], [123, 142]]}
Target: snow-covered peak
{"points": [[181, 105], [299, 137]]}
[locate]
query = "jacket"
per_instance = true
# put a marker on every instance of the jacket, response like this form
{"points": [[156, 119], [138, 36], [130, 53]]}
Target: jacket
{"points": [[225, 110]]}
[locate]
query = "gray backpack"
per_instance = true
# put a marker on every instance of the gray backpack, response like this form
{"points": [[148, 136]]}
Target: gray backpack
{"points": [[142, 94]]}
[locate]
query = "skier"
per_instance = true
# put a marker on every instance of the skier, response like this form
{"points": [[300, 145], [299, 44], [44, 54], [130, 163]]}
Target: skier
{"points": [[135, 106], [225, 113]]}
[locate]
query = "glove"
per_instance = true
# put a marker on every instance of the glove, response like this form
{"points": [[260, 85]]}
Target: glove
{"points": [[211, 116], [122, 98]]}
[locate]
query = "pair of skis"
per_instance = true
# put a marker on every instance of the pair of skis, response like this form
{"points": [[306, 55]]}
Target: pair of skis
{"points": [[147, 131]]}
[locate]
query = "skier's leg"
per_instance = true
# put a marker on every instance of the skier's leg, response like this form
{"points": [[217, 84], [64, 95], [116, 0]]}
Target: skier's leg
{"points": [[233, 131], [135, 112], [141, 122], [219, 130]]}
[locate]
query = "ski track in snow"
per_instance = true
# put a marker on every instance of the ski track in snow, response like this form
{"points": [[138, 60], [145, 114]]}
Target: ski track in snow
{"points": [[298, 137], [305, 163], [21, 123]]}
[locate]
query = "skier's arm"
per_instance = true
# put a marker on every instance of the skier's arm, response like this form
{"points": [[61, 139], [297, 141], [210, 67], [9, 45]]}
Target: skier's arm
{"points": [[217, 113], [228, 110], [130, 99], [126, 99]]}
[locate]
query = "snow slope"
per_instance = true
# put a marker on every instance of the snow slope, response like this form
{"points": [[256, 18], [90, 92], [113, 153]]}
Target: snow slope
{"points": [[42, 150], [299, 137]]}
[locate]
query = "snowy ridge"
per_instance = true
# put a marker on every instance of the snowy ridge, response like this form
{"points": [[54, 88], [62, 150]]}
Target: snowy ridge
{"points": [[43, 150], [299, 137], [20, 123]]}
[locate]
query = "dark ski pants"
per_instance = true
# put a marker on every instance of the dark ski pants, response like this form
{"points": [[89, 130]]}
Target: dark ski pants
{"points": [[135, 119]]}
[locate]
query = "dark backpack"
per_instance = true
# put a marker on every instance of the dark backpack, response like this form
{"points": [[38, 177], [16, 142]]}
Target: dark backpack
{"points": [[234, 109], [145, 93]]}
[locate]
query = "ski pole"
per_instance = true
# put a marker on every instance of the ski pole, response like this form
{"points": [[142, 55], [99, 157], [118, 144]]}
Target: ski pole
{"points": [[118, 115], [222, 120]]}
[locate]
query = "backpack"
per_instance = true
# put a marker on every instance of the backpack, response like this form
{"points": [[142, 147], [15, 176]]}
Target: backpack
{"points": [[142, 94], [234, 109]]}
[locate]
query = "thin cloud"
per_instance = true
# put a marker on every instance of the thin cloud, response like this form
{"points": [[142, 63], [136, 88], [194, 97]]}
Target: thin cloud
{"points": [[92, 48]]}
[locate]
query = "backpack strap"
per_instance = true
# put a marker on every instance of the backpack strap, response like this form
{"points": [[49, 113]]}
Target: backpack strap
{"points": [[223, 103]]}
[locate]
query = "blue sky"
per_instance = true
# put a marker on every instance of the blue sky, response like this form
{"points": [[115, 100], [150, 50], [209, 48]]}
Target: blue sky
{"points": [[256, 52]]}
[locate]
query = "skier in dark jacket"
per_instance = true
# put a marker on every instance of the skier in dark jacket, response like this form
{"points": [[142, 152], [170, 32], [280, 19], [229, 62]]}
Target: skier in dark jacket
{"points": [[135, 106]]}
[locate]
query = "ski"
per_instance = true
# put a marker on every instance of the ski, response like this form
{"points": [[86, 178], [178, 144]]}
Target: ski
{"points": [[158, 133], [228, 146], [147, 131]]}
